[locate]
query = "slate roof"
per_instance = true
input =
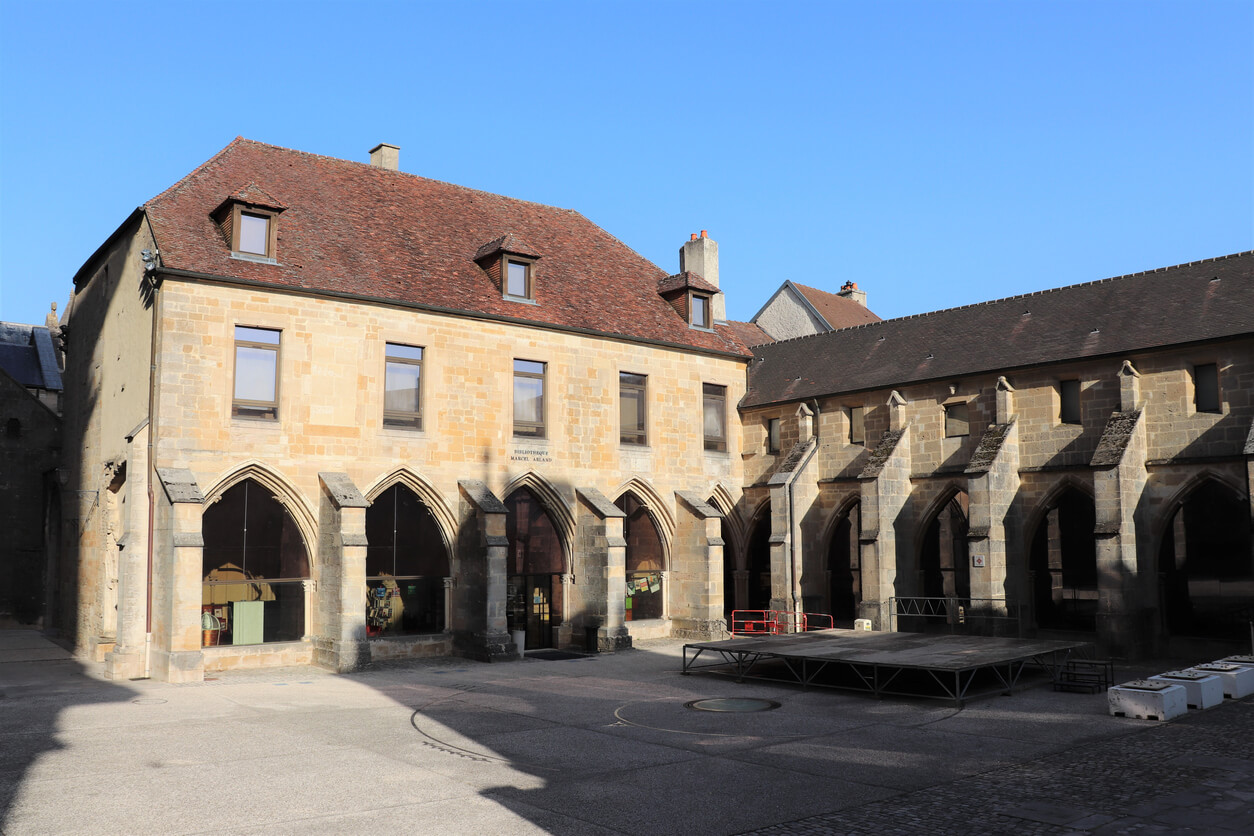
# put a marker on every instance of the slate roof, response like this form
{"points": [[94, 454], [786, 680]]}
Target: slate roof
{"points": [[839, 311], [1203, 300], [28, 356], [365, 231]]}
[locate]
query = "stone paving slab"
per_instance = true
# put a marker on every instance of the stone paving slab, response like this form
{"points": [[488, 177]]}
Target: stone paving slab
{"points": [[593, 746]]}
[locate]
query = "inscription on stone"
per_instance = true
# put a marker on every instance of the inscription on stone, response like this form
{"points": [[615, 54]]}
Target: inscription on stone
{"points": [[531, 456]]}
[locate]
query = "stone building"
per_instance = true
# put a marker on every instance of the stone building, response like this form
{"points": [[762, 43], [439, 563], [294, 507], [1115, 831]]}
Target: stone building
{"points": [[796, 310], [30, 449], [1076, 460], [328, 412]]}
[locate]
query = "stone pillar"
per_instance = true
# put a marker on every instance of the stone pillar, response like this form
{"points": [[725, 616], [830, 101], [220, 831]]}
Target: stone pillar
{"points": [[129, 657], [1126, 610], [601, 550], [479, 626], [993, 483], [340, 642], [697, 569], [885, 492], [178, 570], [740, 595], [1053, 533]]}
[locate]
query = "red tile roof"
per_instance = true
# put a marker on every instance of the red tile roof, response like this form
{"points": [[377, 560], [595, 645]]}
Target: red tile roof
{"points": [[749, 332], [685, 280], [1204, 300], [356, 229], [839, 311]]}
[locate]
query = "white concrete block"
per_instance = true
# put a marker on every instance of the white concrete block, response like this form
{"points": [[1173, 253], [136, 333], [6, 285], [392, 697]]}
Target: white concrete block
{"points": [[862, 624], [1243, 661], [1203, 690], [1145, 700], [1238, 680]]}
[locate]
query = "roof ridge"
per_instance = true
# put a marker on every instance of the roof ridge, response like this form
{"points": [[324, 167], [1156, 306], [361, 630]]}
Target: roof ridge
{"points": [[178, 184], [1047, 290], [392, 172], [1012, 298]]}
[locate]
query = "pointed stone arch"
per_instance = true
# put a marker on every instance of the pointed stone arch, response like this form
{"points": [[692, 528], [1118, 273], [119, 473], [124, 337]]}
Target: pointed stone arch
{"points": [[1061, 556], [834, 518], [1186, 489], [652, 500], [284, 492], [444, 518], [721, 498], [942, 561], [1050, 498], [558, 508]]}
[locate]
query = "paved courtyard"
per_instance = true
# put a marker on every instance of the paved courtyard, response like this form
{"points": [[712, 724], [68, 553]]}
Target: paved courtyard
{"points": [[597, 745]]}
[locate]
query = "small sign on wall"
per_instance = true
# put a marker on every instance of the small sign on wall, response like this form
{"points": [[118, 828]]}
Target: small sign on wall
{"points": [[977, 561]]}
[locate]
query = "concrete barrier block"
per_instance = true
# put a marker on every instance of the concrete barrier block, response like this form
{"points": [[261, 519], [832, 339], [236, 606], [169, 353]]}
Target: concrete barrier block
{"points": [[1238, 680], [1203, 690], [1146, 700]]}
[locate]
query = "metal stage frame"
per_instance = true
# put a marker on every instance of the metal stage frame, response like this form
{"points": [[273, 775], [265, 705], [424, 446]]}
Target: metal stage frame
{"points": [[882, 663]]}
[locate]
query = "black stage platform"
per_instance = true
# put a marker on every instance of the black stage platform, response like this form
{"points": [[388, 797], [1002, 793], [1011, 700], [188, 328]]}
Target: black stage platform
{"points": [[908, 664]]}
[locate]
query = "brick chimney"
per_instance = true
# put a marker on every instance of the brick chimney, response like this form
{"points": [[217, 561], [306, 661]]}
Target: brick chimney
{"points": [[850, 291], [386, 156], [700, 255]]}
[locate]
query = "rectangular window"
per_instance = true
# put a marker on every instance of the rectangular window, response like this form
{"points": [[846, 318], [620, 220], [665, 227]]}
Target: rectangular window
{"points": [[714, 416], [772, 435], [1206, 388], [700, 308], [256, 373], [402, 393], [1069, 401], [518, 279], [254, 234], [528, 399], [956, 420], [857, 425], [631, 408]]}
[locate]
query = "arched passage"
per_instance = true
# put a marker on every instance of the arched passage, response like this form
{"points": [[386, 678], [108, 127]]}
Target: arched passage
{"points": [[844, 567], [1205, 564], [256, 569], [758, 561], [646, 561], [534, 567], [943, 563], [1063, 561], [406, 566]]}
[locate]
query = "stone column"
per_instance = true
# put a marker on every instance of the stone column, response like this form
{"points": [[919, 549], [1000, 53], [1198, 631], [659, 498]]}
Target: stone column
{"points": [[340, 642], [993, 483], [178, 570], [479, 626], [885, 491], [602, 554], [697, 569]]}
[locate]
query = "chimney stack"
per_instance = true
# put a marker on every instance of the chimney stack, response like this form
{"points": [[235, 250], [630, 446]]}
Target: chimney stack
{"points": [[386, 156], [850, 291], [699, 255]]}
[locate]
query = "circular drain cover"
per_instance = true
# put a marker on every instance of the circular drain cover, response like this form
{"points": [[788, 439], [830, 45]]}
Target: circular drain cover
{"points": [[148, 701], [732, 704]]}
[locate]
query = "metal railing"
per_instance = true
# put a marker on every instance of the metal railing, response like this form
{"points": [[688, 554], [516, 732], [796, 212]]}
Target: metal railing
{"points": [[768, 622], [963, 615]]}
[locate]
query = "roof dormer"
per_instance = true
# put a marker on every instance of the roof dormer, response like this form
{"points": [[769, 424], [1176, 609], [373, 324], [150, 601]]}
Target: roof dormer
{"points": [[692, 297], [510, 262], [248, 219]]}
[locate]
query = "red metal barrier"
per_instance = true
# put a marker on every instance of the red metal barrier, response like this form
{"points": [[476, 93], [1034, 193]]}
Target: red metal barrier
{"points": [[768, 622]]}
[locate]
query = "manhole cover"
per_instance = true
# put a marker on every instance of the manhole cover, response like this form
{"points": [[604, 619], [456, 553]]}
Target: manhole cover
{"points": [[148, 701], [732, 704]]}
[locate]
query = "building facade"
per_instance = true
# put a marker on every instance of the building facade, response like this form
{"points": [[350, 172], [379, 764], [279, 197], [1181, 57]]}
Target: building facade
{"points": [[1077, 460], [327, 412]]}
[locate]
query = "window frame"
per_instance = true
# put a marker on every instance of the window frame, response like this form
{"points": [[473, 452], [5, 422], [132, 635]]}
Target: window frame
{"points": [[1211, 389], [714, 393], [529, 429], [238, 210], [253, 410], [951, 421], [640, 436], [1075, 415], [857, 425], [707, 305], [395, 418], [773, 435], [528, 266]]}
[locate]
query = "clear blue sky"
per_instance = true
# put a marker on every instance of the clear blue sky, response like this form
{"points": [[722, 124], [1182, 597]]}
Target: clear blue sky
{"points": [[937, 153]]}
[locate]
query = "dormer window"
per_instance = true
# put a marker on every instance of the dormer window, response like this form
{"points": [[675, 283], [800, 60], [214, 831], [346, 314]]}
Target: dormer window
{"points": [[249, 222], [518, 280], [699, 306]]}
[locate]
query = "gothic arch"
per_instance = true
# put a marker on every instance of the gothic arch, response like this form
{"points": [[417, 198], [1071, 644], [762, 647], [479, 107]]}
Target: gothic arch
{"points": [[558, 509], [834, 519], [1050, 499], [283, 491], [721, 500], [942, 499], [445, 520], [1167, 511], [652, 500]]}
